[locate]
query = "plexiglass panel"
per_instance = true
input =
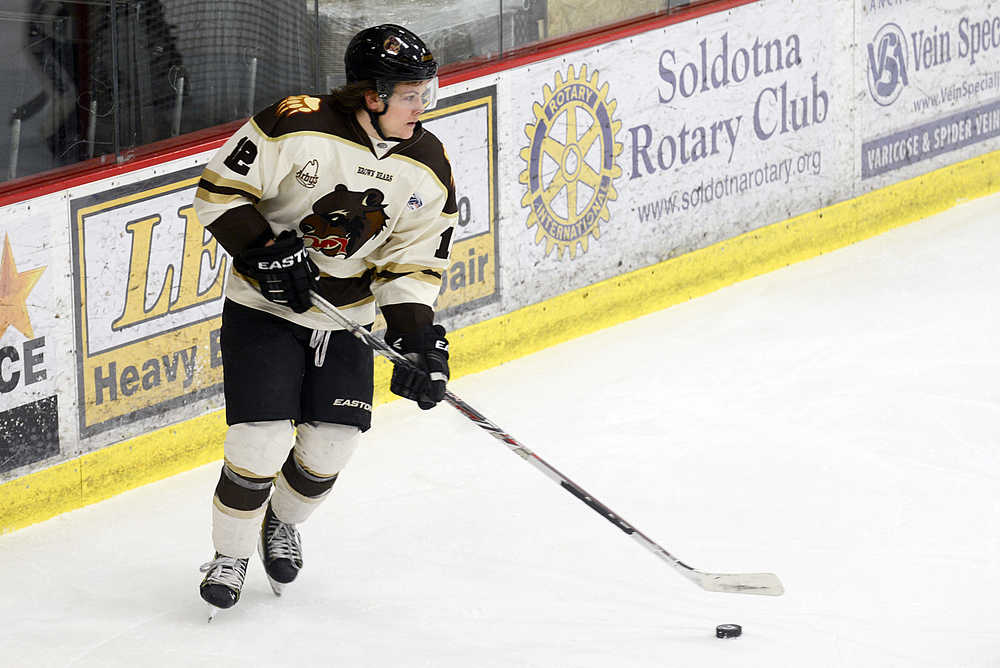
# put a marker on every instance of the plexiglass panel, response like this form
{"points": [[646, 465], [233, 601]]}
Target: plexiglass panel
{"points": [[100, 79]]}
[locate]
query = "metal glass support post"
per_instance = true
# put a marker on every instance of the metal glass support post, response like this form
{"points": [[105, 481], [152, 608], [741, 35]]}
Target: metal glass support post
{"points": [[91, 128], [115, 89], [15, 145], [175, 128], [252, 86]]}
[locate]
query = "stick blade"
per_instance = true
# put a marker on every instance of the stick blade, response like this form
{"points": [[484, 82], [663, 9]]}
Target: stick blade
{"points": [[766, 584]]}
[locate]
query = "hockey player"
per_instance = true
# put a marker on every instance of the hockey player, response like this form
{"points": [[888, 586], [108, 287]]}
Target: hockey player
{"points": [[348, 195]]}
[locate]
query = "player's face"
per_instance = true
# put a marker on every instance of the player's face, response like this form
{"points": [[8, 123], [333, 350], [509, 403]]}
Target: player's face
{"points": [[407, 102]]}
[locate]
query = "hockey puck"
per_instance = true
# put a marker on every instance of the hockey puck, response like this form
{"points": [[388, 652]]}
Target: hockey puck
{"points": [[728, 631]]}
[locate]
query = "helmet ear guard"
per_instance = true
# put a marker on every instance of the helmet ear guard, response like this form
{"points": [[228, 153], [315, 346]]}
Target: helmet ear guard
{"points": [[384, 89]]}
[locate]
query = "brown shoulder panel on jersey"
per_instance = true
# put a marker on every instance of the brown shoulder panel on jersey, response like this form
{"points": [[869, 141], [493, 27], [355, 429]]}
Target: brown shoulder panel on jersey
{"points": [[427, 148], [406, 318], [240, 228], [306, 113]]}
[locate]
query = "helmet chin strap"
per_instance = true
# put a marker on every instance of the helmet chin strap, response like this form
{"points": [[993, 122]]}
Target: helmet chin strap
{"points": [[374, 117]]}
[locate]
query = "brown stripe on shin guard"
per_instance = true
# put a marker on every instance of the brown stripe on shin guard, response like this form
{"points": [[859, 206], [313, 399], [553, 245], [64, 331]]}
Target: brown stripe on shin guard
{"points": [[240, 492], [302, 481]]}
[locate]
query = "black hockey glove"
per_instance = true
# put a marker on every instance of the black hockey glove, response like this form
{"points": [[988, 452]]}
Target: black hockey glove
{"points": [[284, 271], [428, 350]]}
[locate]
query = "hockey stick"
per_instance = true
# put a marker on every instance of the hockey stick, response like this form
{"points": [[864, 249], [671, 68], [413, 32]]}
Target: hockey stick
{"points": [[732, 583]]}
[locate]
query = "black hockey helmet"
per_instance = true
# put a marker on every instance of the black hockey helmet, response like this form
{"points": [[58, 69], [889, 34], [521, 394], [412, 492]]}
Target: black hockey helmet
{"points": [[388, 54]]}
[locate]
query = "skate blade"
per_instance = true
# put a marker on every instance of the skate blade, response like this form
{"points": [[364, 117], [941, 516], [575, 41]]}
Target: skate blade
{"points": [[212, 611], [276, 587]]}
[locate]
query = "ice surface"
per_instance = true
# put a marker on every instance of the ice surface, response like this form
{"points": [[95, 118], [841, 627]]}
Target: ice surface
{"points": [[835, 422]]}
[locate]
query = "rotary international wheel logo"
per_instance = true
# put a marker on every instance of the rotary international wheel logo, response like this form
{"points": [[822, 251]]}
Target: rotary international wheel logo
{"points": [[570, 160]]}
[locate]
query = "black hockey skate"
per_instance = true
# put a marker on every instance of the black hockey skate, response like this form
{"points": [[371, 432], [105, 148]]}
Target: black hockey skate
{"points": [[280, 549], [223, 581]]}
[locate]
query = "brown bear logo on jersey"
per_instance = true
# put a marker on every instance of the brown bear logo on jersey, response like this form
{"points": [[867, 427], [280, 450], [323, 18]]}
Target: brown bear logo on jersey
{"points": [[343, 220]]}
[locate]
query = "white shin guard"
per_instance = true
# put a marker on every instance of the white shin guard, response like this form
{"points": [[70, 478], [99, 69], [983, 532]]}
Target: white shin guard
{"points": [[235, 532], [253, 450]]}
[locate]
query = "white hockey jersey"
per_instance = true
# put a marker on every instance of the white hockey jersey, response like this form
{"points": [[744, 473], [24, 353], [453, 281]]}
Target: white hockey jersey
{"points": [[377, 223]]}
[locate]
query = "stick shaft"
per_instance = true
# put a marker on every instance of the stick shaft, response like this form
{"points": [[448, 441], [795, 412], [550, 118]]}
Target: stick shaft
{"points": [[745, 583]]}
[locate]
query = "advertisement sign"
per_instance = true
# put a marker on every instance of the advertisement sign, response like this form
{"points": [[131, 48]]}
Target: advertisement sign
{"points": [[29, 422], [466, 125], [931, 83], [149, 281], [646, 148]]}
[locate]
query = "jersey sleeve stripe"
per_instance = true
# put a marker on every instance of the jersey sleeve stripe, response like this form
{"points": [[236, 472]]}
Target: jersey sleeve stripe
{"points": [[394, 270], [422, 276], [218, 184], [206, 195]]}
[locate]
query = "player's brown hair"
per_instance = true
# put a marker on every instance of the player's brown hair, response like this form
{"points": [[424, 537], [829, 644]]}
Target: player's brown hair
{"points": [[351, 97]]}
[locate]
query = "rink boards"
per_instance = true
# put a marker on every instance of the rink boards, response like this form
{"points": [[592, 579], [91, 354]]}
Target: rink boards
{"points": [[597, 181]]}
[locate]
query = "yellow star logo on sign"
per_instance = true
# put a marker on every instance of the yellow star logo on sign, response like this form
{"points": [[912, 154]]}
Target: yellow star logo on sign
{"points": [[14, 289]]}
